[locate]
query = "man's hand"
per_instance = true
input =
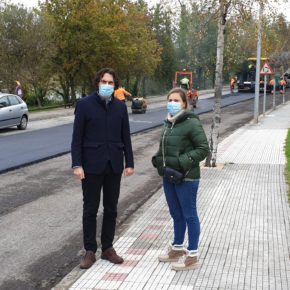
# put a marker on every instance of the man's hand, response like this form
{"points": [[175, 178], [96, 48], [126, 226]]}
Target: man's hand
{"points": [[129, 171], [79, 173]]}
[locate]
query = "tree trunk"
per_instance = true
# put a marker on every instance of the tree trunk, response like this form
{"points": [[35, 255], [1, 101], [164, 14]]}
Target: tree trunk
{"points": [[38, 102], [127, 81], [139, 86], [37, 95], [83, 89], [136, 88], [65, 88], [72, 90], [216, 119], [199, 78], [143, 85], [91, 85]]}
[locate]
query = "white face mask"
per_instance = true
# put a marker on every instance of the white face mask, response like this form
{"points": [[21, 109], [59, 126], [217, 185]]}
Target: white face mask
{"points": [[173, 108], [106, 91]]}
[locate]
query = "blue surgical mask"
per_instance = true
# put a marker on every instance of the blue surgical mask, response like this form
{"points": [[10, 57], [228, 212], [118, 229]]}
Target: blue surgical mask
{"points": [[173, 108], [105, 91]]}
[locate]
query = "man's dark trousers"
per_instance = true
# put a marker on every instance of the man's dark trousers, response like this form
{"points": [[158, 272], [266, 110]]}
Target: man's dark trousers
{"points": [[92, 186]]}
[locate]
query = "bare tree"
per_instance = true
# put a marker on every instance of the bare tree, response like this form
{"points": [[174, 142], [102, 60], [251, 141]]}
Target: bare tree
{"points": [[224, 7], [216, 120], [281, 60]]}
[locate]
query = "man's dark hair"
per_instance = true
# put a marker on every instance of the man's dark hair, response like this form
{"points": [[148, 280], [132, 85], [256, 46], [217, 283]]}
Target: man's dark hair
{"points": [[101, 73]]}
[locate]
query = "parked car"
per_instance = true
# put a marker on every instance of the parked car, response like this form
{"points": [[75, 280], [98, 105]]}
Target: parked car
{"points": [[13, 111]]}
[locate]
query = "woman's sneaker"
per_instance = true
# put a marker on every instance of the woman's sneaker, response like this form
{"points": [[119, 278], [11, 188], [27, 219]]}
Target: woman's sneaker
{"points": [[173, 254], [189, 262]]}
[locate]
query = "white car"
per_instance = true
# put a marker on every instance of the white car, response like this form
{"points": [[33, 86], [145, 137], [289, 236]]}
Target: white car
{"points": [[13, 112]]}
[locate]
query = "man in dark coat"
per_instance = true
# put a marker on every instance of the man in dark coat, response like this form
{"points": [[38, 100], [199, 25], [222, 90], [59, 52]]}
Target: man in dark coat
{"points": [[100, 143]]}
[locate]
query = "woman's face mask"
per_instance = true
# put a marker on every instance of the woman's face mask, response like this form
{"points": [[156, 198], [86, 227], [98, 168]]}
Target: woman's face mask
{"points": [[173, 108], [105, 90]]}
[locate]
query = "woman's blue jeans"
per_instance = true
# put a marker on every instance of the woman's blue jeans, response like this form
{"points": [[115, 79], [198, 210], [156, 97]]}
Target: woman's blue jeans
{"points": [[181, 200]]}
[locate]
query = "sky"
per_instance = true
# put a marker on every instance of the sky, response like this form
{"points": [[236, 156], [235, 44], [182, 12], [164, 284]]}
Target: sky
{"points": [[283, 7], [27, 3]]}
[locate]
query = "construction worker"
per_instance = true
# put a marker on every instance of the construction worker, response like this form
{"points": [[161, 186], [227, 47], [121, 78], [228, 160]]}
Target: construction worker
{"points": [[121, 94], [251, 66], [232, 84], [184, 83], [282, 85]]}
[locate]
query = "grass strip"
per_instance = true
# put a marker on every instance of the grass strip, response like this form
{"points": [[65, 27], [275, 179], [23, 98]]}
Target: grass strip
{"points": [[44, 108]]}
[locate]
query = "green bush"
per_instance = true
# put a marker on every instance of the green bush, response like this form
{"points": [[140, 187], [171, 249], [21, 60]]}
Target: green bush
{"points": [[30, 100]]}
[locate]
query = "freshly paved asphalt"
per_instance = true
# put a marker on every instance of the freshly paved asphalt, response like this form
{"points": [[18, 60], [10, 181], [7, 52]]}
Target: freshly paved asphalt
{"points": [[23, 149]]}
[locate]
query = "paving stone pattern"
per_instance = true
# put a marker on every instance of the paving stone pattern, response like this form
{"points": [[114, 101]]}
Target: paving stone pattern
{"points": [[245, 223]]}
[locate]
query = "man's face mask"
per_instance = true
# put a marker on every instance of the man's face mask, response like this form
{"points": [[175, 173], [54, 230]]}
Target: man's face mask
{"points": [[105, 90]]}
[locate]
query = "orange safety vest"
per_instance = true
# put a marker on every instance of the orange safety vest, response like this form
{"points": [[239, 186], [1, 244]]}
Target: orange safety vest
{"points": [[120, 94], [192, 94]]}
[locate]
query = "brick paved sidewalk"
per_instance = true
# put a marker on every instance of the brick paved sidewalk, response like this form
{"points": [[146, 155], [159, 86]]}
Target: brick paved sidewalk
{"points": [[245, 223]]}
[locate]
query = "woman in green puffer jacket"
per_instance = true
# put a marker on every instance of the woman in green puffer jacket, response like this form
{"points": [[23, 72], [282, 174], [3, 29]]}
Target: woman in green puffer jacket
{"points": [[183, 145]]}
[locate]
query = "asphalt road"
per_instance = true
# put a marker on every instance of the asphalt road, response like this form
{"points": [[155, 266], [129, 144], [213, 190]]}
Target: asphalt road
{"points": [[33, 146], [41, 204]]}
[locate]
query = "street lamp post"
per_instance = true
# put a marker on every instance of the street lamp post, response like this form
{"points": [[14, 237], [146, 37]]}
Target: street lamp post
{"points": [[265, 95], [274, 94], [258, 66]]}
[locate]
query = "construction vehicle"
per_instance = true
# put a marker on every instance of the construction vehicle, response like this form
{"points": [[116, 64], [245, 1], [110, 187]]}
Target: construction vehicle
{"points": [[139, 105], [183, 79], [247, 76]]}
